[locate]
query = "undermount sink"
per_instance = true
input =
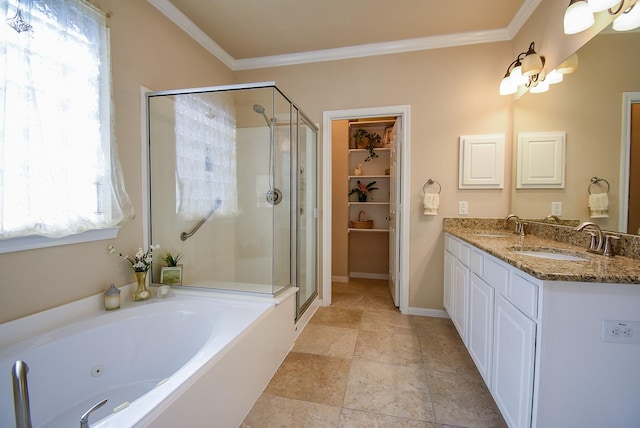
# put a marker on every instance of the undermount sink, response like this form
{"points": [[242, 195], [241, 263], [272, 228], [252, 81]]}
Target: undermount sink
{"points": [[549, 253]]}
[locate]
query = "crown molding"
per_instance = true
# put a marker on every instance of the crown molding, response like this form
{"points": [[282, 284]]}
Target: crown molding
{"points": [[373, 49], [180, 19]]}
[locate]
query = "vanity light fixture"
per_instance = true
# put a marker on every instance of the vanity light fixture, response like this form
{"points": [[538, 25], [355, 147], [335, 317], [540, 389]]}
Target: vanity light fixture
{"points": [[525, 70], [579, 14], [628, 20]]}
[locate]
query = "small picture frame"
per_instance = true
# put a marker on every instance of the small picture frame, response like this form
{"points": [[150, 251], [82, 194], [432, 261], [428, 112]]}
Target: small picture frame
{"points": [[171, 275]]}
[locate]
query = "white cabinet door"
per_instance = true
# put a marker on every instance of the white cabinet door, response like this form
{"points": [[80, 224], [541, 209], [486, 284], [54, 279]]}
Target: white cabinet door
{"points": [[513, 359], [480, 333], [460, 298], [449, 262]]}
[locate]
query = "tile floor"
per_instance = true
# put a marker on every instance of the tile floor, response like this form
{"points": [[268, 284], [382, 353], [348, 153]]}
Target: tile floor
{"points": [[361, 363]]}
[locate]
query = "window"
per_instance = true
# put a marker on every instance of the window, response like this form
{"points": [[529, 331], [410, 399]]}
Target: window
{"points": [[205, 131], [59, 175]]}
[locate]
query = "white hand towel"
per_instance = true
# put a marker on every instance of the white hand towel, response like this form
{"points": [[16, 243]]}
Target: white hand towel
{"points": [[431, 202], [599, 205]]}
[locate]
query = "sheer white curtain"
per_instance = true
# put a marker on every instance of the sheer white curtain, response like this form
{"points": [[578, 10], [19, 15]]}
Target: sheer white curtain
{"points": [[205, 128], [58, 171]]}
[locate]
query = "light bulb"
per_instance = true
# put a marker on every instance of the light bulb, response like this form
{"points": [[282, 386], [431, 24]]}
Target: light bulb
{"points": [[554, 77], [629, 20], [578, 17], [507, 87], [542, 86], [531, 64]]}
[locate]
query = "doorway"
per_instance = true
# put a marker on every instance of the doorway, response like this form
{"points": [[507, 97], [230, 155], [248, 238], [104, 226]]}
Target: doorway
{"points": [[400, 273]]}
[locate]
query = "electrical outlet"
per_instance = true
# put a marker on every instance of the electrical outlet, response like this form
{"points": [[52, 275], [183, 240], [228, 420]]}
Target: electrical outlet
{"points": [[556, 208], [621, 331], [463, 207]]}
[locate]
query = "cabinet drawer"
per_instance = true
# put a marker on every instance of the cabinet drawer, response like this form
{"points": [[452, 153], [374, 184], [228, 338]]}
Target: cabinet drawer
{"points": [[463, 253], [452, 245], [496, 275], [524, 294], [476, 262]]}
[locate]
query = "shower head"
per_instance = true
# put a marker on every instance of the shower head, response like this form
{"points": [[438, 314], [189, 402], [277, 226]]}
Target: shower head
{"points": [[260, 110]]}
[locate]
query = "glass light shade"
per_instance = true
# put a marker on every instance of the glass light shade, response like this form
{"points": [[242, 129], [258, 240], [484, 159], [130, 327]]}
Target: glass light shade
{"points": [[554, 77], [569, 65], [516, 76], [578, 17], [531, 64], [540, 87], [600, 5], [629, 20], [507, 87]]}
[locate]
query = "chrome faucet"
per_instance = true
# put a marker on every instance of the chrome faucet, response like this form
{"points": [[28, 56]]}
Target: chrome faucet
{"points": [[595, 245], [21, 394], [84, 421], [551, 216], [520, 225]]}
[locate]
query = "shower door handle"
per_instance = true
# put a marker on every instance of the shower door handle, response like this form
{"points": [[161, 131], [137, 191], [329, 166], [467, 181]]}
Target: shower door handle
{"points": [[301, 211]]}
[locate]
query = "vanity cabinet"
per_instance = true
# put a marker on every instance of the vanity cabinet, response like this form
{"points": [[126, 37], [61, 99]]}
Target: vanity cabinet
{"points": [[540, 345], [499, 336], [480, 332], [513, 362]]}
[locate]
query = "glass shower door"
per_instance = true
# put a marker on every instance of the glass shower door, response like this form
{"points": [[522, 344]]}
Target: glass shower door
{"points": [[307, 215]]}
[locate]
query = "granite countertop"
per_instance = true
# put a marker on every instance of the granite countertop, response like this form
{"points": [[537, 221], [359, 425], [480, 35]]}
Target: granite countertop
{"points": [[595, 268]]}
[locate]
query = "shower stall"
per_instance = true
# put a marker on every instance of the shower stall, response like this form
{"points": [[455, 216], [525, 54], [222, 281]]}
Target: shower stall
{"points": [[233, 189]]}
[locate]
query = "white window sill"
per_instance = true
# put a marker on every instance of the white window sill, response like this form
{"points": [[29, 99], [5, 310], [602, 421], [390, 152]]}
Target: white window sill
{"points": [[33, 242]]}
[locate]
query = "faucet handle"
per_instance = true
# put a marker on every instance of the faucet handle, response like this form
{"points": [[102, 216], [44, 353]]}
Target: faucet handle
{"points": [[84, 421], [608, 246], [593, 243]]}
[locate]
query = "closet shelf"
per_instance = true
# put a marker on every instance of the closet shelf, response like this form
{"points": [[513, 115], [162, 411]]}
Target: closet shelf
{"points": [[351, 229], [368, 203], [352, 177]]}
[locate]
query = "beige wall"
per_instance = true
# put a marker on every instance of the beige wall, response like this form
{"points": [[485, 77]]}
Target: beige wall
{"points": [[451, 91], [146, 50], [448, 98]]}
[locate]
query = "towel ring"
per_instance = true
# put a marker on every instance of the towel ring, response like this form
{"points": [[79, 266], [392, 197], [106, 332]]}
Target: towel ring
{"points": [[429, 183], [595, 180]]}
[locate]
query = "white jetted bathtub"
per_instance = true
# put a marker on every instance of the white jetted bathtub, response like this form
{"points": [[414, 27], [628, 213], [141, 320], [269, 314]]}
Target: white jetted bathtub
{"points": [[179, 360]]}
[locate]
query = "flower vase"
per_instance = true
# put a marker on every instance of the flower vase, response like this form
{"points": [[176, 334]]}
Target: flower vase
{"points": [[362, 198], [141, 292]]}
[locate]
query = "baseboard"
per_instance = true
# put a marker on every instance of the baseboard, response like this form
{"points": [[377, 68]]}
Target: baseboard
{"points": [[339, 279], [425, 312], [368, 275]]}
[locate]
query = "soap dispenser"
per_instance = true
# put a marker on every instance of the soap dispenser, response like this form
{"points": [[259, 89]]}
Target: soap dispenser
{"points": [[112, 298]]}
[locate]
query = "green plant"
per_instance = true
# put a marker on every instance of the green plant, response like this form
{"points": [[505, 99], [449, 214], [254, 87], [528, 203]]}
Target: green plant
{"points": [[363, 190], [367, 140], [170, 259]]}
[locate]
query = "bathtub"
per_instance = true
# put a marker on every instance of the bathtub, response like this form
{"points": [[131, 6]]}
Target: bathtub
{"points": [[146, 359]]}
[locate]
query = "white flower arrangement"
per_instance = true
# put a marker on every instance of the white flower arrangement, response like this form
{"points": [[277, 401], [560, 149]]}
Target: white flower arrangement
{"points": [[142, 260]]}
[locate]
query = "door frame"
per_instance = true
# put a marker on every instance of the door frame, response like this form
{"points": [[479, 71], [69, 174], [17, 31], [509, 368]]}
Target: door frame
{"points": [[628, 98], [404, 111]]}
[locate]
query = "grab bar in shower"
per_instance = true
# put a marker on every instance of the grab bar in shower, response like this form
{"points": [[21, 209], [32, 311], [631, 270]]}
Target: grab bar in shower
{"points": [[21, 394], [186, 235]]}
